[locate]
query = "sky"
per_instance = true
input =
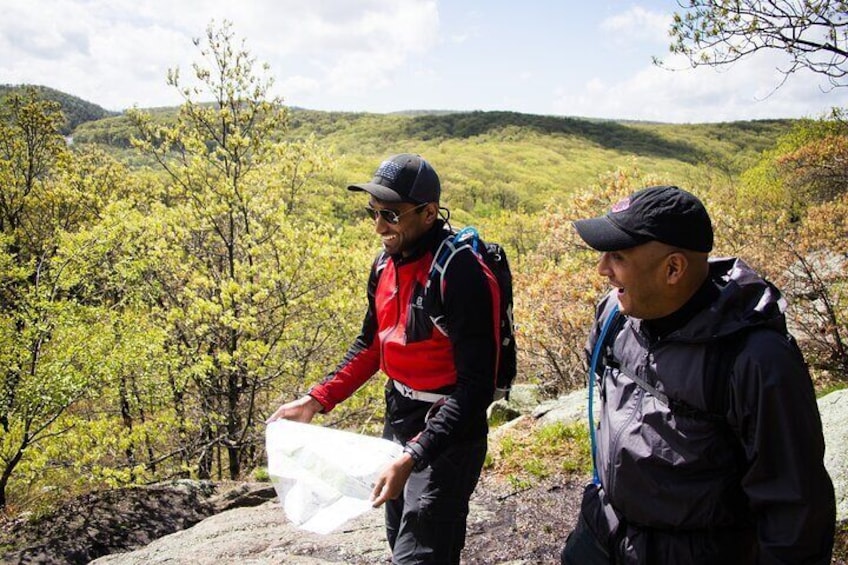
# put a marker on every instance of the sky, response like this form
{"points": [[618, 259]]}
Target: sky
{"points": [[576, 58]]}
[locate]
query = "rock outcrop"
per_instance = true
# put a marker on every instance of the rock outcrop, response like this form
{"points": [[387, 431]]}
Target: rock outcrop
{"points": [[197, 523]]}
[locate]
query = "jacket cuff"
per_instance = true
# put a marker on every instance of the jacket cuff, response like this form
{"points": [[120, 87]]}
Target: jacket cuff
{"points": [[317, 393], [417, 454]]}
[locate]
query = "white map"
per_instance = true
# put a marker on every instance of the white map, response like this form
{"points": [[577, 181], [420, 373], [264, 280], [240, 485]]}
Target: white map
{"points": [[323, 476]]}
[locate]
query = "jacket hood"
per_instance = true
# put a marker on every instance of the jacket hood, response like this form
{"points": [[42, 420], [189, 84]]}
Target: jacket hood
{"points": [[745, 300]]}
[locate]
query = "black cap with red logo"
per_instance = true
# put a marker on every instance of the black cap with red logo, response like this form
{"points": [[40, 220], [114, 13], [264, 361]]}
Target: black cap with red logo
{"points": [[658, 213]]}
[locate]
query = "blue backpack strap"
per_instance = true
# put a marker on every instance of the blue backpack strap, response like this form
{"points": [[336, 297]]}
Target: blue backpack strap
{"points": [[466, 237], [593, 367]]}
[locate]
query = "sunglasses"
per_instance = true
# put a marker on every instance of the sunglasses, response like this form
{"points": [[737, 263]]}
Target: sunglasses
{"points": [[390, 216]]}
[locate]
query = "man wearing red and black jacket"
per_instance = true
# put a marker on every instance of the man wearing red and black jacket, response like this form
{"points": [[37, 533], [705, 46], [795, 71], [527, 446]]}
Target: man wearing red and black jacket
{"points": [[439, 351]]}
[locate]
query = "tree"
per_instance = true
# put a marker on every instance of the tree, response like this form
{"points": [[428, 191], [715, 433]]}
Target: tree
{"points": [[790, 214], [246, 286], [30, 144], [558, 286], [51, 345], [813, 33], [816, 170]]}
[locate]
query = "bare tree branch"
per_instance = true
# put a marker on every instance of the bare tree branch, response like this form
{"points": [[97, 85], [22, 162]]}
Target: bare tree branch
{"points": [[814, 35]]}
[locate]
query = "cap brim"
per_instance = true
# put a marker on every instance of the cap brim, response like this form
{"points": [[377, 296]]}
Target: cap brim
{"points": [[378, 191], [603, 235]]}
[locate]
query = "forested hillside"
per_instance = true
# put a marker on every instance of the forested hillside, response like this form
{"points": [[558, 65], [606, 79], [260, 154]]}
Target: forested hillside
{"points": [[173, 274], [495, 161], [75, 110]]}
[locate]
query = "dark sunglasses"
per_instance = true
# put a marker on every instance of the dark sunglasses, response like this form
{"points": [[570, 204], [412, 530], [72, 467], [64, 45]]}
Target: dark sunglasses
{"points": [[390, 216]]}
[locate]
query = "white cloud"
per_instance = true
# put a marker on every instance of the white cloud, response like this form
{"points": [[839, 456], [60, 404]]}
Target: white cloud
{"points": [[638, 24], [742, 92], [90, 51], [332, 45], [383, 55], [385, 40], [300, 86], [342, 46]]}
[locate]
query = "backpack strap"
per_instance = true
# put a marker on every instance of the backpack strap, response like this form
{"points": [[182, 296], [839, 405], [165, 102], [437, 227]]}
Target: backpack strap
{"points": [[380, 262], [720, 358], [466, 237], [612, 320]]}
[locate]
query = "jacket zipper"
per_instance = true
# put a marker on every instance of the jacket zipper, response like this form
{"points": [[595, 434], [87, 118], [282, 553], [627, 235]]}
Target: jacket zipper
{"points": [[637, 403], [614, 445], [395, 298]]}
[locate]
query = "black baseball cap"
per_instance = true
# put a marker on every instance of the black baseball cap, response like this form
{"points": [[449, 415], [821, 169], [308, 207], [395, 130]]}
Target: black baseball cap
{"points": [[403, 178], [658, 213]]}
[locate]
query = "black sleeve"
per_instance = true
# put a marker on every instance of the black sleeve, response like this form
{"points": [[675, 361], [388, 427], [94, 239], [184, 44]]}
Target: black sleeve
{"points": [[774, 411], [471, 317]]}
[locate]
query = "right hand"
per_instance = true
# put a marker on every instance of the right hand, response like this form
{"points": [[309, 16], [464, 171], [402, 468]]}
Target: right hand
{"points": [[300, 410]]}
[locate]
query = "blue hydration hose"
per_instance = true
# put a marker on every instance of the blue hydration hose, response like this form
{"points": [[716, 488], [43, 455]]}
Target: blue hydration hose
{"points": [[596, 355]]}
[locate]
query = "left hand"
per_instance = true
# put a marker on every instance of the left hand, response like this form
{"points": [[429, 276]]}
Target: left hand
{"points": [[391, 481]]}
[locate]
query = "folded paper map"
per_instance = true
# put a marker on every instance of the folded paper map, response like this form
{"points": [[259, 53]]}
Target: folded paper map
{"points": [[324, 477]]}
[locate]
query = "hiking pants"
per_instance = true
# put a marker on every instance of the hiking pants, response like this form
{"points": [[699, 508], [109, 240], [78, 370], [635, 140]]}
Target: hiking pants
{"points": [[583, 548], [426, 524]]}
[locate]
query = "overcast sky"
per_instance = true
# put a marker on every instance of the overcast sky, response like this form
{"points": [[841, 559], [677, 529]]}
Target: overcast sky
{"points": [[561, 57]]}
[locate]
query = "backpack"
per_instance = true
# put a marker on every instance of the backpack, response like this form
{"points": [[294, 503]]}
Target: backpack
{"points": [[494, 257]]}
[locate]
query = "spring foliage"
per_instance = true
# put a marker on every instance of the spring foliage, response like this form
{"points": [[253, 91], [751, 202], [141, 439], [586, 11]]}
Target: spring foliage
{"points": [[161, 295]]}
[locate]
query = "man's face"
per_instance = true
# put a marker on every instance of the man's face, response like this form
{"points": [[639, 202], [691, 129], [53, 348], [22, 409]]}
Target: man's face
{"points": [[641, 276], [411, 224]]}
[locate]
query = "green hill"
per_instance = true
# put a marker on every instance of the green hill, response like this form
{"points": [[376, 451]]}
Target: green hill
{"points": [[76, 110], [508, 160]]}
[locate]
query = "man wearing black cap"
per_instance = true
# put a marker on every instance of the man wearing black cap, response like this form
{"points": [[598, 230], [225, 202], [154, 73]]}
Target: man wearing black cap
{"points": [[709, 447], [441, 368]]}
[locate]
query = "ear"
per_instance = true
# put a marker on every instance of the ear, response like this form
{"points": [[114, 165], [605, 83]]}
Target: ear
{"points": [[431, 213], [676, 265]]}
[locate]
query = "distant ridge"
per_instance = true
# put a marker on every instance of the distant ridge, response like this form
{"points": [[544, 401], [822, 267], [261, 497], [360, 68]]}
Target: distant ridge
{"points": [[415, 113], [75, 109]]}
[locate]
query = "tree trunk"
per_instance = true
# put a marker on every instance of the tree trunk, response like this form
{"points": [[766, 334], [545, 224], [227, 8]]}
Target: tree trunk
{"points": [[9, 469], [126, 418], [204, 464]]}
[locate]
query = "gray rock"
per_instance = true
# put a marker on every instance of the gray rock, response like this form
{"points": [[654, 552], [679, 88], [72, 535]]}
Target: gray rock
{"points": [[834, 415], [497, 432], [500, 412], [523, 399], [261, 535], [568, 409]]}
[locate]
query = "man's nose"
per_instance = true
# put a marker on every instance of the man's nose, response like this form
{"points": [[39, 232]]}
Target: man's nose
{"points": [[603, 265], [380, 224]]}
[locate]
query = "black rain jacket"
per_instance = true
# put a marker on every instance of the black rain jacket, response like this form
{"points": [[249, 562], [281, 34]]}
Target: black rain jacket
{"points": [[749, 487]]}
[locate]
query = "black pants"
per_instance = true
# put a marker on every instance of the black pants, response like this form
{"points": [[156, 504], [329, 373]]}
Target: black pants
{"points": [[583, 548], [426, 524]]}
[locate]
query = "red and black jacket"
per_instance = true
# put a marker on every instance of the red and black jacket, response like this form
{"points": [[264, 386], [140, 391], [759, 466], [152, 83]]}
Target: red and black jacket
{"points": [[399, 337]]}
